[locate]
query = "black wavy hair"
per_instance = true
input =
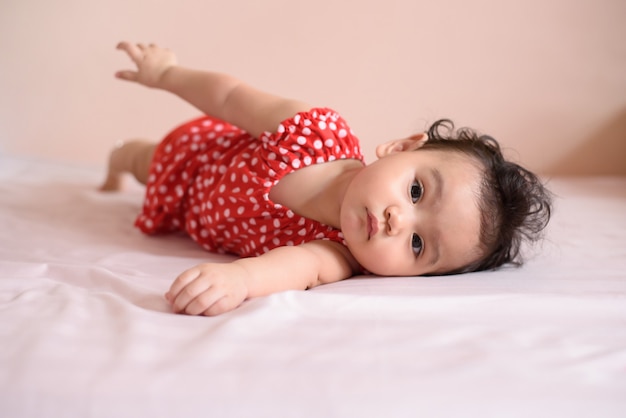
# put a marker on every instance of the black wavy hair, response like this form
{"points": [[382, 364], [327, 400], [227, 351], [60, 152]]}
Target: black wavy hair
{"points": [[515, 205]]}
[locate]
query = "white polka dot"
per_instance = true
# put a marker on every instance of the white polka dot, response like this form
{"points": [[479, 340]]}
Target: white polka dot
{"points": [[240, 210], [302, 232], [280, 129], [332, 126], [342, 133], [276, 223], [307, 160], [296, 163], [301, 140], [296, 119], [306, 131], [321, 124], [329, 142]]}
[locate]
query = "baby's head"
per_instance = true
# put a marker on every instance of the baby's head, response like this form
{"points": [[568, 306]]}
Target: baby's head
{"points": [[442, 202], [514, 204]]}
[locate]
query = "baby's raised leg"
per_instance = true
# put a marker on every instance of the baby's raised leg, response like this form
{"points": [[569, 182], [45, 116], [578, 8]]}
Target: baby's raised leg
{"points": [[132, 157]]}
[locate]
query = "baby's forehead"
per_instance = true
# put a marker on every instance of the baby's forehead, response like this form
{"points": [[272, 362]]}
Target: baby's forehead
{"points": [[466, 163]]}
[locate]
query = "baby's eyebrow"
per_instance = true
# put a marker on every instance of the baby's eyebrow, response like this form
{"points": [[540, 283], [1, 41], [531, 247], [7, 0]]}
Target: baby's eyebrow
{"points": [[436, 252], [437, 181]]}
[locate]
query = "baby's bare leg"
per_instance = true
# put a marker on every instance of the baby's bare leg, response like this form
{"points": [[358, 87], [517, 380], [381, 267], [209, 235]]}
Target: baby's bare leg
{"points": [[132, 157]]}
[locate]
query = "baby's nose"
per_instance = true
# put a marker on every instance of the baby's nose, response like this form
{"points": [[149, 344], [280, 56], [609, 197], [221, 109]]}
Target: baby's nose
{"points": [[395, 220]]}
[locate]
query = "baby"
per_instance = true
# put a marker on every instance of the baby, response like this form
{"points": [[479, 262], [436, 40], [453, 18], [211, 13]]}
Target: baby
{"points": [[284, 186]]}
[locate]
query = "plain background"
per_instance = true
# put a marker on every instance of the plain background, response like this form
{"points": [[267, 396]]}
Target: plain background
{"points": [[547, 78]]}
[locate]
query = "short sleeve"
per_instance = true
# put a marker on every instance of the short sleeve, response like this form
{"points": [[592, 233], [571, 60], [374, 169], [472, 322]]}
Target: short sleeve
{"points": [[317, 136]]}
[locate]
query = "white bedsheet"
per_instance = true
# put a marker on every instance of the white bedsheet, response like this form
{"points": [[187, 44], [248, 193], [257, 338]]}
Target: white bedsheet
{"points": [[85, 332]]}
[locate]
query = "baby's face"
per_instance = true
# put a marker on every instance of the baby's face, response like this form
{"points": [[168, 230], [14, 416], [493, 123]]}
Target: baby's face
{"points": [[414, 212]]}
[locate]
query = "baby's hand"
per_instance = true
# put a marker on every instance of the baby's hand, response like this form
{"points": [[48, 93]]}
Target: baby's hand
{"points": [[208, 289], [152, 63]]}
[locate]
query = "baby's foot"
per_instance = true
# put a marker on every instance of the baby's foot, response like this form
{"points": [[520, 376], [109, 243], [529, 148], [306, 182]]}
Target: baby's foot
{"points": [[113, 181]]}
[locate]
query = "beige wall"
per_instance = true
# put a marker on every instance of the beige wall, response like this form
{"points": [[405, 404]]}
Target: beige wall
{"points": [[545, 77]]}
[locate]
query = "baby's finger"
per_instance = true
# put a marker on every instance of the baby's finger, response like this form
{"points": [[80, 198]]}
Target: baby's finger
{"points": [[126, 75], [204, 301], [134, 51], [220, 306], [181, 281], [189, 293]]}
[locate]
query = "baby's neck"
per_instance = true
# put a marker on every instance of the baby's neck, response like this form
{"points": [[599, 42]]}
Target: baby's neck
{"points": [[316, 192]]}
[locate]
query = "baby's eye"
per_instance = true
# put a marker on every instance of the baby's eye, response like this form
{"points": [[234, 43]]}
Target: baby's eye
{"points": [[416, 244], [416, 191]]}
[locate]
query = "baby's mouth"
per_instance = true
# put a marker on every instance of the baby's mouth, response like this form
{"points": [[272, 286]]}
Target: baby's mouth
{"points": [[372, 224]]}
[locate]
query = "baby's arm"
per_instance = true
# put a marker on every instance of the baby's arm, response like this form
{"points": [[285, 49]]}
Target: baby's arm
{"points": [[215, 94], [211, 289]]}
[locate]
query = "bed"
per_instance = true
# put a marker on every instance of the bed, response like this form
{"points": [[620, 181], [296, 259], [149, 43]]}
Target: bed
{"points": [[85, 331]]}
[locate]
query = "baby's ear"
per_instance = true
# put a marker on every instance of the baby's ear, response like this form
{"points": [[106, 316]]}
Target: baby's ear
{"points": [[411, 143]]}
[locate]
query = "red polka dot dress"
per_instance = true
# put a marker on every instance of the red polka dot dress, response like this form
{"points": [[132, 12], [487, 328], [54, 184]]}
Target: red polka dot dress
{"points": [[212, 180]]}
